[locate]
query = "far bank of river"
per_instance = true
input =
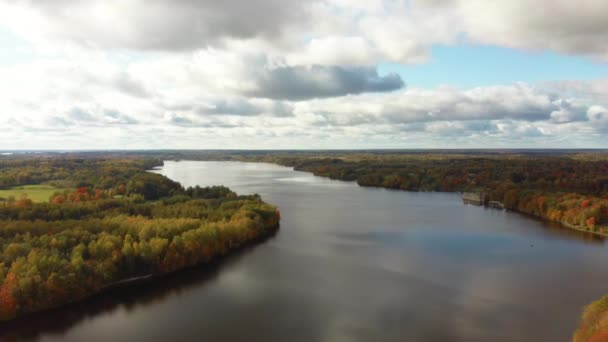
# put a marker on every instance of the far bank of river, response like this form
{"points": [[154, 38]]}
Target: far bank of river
{"points": [[599, 231]]}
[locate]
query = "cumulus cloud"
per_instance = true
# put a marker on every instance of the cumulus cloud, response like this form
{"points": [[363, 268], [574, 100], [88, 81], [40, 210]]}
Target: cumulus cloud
{"points": [[231, 107], [515, 102], [246, 107], [229, 74], [177, 120], [590, 91], [307, 32], [95, 117], [365, 33], [299, 83], [572, 27], [327, 32], [297, 106], [124, 83], [598, 116], [567, 112], [80, 115], [156, 25], [252, 74], [112, 116]]}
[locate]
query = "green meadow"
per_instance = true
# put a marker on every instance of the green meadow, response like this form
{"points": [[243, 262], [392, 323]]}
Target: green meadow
{"points": [[37, 193]]}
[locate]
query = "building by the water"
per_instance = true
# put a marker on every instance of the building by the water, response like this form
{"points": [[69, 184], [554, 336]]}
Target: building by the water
{"points": [[477, 198]]}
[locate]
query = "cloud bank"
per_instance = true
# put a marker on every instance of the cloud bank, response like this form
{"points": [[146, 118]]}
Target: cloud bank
{"points": [[330, 32], [290, 74]]}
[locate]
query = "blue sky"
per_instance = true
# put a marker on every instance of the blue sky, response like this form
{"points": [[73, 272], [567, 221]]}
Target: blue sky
{"points": [[481, 65], [14, 49]]}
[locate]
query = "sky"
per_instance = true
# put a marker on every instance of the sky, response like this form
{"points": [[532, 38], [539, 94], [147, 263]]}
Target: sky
{"points": [[292, 74]]}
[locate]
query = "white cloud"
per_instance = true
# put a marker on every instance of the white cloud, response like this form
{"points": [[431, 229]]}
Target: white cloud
{"points": [[178, 102], [598, 117], [334, 32], [267, 74], [156, 25], [299, 82], [590, 91], [572, 27], [334, 50], [329, 32], [516, 102], [326, 32]]}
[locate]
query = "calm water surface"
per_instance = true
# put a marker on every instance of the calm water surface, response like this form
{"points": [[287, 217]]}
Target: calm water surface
{"points": [[354, 264]]}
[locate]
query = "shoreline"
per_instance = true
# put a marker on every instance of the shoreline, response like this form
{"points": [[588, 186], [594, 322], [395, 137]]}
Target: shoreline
{"points": [[143, 280], [540, 218], [559, 223]]}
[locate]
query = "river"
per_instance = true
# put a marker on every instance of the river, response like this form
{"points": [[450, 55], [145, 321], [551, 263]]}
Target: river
{"points": [[354, 264]]}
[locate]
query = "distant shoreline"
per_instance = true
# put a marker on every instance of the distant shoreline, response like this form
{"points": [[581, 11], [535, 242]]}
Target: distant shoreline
{"points": [[540, 218]]}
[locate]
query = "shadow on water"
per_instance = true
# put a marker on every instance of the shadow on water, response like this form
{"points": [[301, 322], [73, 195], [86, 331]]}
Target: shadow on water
{"points": [[565, 232], [130, 297], [556, 230]]}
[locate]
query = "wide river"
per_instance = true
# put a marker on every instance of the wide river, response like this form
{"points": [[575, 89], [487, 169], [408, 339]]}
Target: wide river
{"points": [[355, 264]]}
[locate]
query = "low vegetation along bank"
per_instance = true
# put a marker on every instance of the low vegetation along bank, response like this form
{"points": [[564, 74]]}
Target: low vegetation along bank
{"points": [[120, 222]]}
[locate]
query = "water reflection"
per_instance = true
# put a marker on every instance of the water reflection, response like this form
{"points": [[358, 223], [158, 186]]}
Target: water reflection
{"points": [[562, 231]]}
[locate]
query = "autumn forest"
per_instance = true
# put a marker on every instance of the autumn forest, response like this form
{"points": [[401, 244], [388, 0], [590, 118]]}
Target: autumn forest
{"points": [[112, 222]]}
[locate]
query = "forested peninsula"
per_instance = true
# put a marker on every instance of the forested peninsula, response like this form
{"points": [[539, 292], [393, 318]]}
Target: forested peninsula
{"points": [[108, 220]]}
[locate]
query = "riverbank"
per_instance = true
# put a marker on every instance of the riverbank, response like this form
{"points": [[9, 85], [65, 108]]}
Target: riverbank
{"points": [[122, 292], [147, 278], [523, 189], [228, 239], [535, 208]]}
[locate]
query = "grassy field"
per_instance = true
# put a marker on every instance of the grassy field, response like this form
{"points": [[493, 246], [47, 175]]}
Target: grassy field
{"points": [[37, 193]]}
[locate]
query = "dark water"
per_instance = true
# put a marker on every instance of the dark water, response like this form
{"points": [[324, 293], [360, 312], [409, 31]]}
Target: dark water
{"points": [[355, 264]]}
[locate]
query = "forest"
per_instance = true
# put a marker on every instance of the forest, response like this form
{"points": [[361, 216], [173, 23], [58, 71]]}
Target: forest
{"points": [[113, 222]]}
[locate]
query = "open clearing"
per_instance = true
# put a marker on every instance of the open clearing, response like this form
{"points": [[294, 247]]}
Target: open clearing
{"points": [[37, 193]]}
